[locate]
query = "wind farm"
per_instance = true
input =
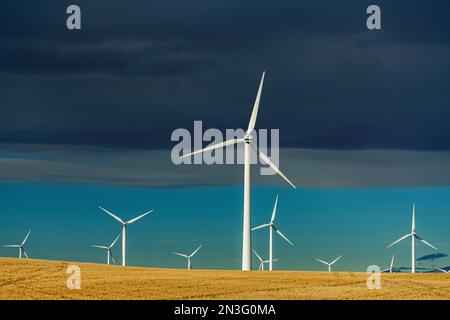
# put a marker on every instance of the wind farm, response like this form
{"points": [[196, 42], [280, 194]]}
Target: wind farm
{"points": [[311, 282]]}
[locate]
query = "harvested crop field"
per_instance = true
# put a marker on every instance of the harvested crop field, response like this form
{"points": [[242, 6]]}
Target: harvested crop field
{"points": [[42, 279]]}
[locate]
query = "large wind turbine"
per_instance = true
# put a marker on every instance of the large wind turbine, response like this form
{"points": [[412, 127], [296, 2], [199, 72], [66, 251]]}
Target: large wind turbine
{"points": [[262, 262], [110, 255], [188, 257], [20, 246], [248, 146], [413, 236], [124, 230], [272, 228], [331, 263], [391, 265]]}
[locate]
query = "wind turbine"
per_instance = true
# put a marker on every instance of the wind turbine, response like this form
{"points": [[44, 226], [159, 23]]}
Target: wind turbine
{"points": [[413, 236], [390, 267], [188, 257], [248, 146], [124, 230], [272, 228], [261, 261], [331, 263], [110, 255], [20, 246], [444, 271]]}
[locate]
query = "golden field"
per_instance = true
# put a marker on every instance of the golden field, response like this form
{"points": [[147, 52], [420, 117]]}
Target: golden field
{"points": [[42, 279]]}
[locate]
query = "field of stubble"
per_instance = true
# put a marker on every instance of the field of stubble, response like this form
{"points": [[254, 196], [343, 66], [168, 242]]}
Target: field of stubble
{"points": [[42, 279]]}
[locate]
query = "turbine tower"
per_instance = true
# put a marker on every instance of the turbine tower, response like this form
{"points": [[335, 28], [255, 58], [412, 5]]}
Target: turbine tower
{"points": [[413, 236], [124, 230], [20, 246], [331, 263], [248, 146], [262, 262], [188, 257], [272, 228], [109, 252], [391, 265]]}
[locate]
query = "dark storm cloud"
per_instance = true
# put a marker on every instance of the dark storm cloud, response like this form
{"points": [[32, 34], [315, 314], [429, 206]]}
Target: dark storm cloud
{"points": [[432, 257], [138, 70]]}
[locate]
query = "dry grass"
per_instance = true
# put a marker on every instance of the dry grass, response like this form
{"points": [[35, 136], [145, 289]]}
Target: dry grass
{"points": [[41, 279]]}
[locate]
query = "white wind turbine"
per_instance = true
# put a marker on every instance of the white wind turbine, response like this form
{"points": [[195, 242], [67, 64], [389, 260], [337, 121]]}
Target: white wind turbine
{"points": [[248, 146], [188, 257], [262, 262], [109, 252], [124, 230], [272, 228], [413, 236], [442, 270], [390, 267], [331, 263], [20, 246]]}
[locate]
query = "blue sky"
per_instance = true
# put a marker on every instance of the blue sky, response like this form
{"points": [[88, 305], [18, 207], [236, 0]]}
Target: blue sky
{"points": [[322, 223]]}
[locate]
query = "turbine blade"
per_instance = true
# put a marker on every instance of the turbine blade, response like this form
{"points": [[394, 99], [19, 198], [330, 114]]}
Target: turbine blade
{"points": [[402, 238], [26, 237], [101, 247], [180, 254], [413, 225], [193, 253], [323, 262], [260, 266], [274, 212], [12, 246], [425, 242], [261, 226], [260, 259], [114, 242], [392, 261], [112, 215], [139, 217], [336, 259], [112, 257], [275, 260], [25, 253], [266, 159], [213, 147], [282, 235], [445, 271], [251, 124], [385, 270]]}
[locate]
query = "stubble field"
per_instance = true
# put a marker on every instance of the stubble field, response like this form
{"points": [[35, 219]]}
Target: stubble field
{"points": [[42, 279]]}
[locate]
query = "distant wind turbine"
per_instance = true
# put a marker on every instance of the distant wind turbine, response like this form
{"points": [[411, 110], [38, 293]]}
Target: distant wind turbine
{"points": [[20, 246], [413, 236], [248, 146], [262, 262], [188, 257], [124, 230], [272, 228], [109, 252], [442, 270], [390, 267], [331, 263]]}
